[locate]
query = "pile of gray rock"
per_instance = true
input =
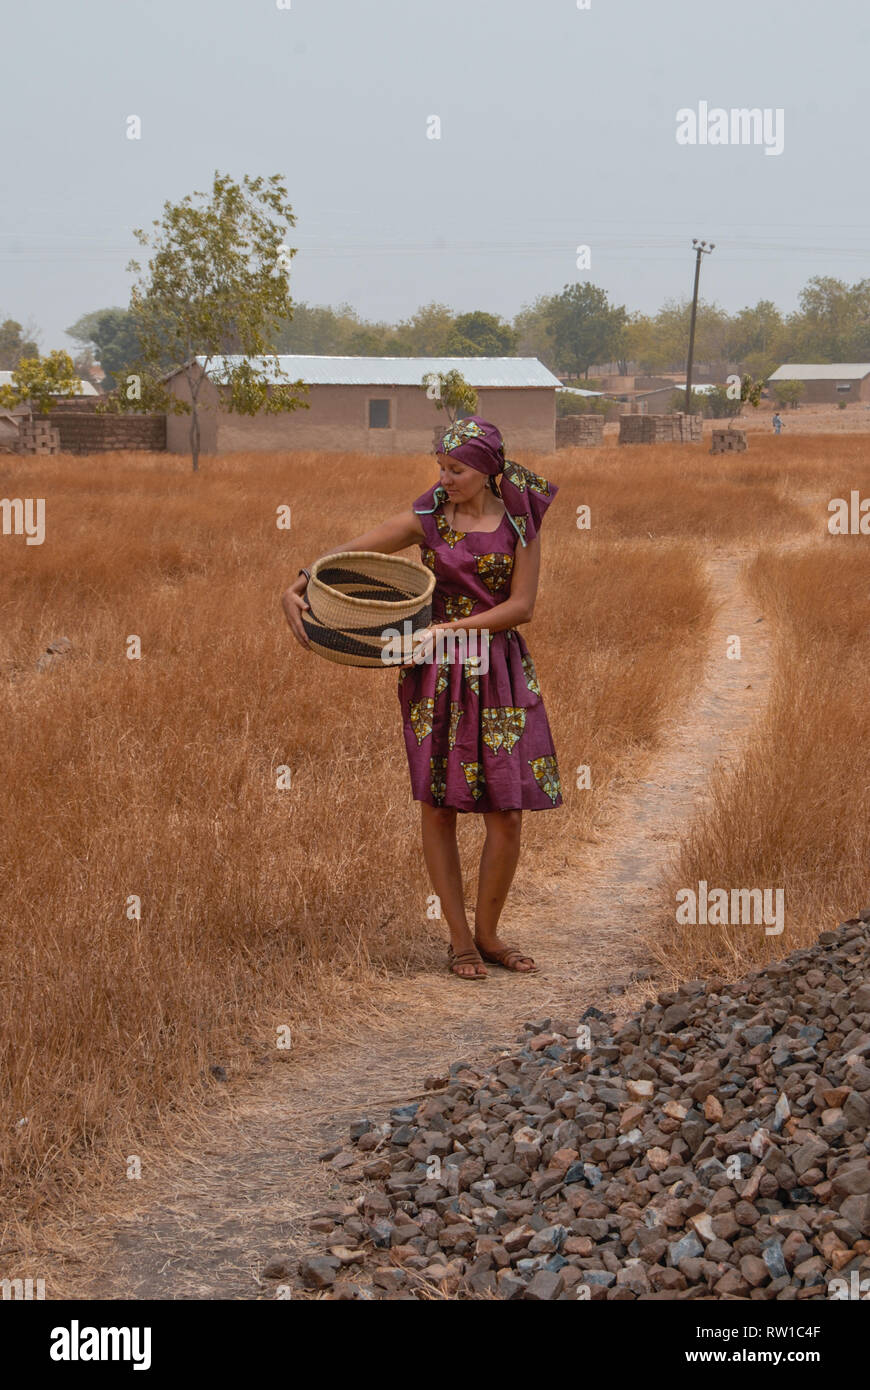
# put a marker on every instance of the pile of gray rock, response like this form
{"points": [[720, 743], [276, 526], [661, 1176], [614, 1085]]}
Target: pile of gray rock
{"points": [[714, 1146]]}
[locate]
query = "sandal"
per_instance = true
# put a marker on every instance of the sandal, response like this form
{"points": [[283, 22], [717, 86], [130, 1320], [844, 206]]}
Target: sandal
{"points": [[470, 956], [509, 958]]}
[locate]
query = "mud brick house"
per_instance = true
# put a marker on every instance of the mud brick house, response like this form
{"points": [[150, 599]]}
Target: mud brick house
{"points": [[827, 382], [375, 404]]}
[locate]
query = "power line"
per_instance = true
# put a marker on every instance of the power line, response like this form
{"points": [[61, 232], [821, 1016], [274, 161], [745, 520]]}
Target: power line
{"points": [[603, 250]]}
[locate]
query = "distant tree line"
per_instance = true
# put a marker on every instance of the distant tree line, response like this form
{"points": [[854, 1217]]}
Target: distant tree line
{"points": [[570, 332]]}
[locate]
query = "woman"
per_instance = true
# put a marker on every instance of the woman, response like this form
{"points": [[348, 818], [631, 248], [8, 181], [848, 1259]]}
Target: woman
{"points": [[476, 735]]}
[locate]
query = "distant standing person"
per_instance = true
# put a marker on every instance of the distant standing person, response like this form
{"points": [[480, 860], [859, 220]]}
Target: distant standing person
{"points": [[777, 421]]}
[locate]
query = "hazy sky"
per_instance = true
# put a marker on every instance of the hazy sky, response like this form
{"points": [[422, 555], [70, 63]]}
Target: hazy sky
{"points": [[558, 128]]}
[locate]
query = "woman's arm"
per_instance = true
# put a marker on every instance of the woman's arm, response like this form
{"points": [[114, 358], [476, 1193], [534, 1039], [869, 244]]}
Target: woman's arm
{"points": [[520, 606], [396, 533]]}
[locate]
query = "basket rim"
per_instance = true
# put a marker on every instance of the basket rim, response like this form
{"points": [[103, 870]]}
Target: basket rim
{"points": [[363, 603]]}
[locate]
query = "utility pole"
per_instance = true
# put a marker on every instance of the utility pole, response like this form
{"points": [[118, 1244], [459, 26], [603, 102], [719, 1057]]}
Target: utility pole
{"points": [[701, 249]]}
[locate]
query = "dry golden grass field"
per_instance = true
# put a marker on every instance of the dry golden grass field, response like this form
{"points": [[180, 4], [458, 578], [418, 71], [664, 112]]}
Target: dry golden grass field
{"points": [[794, 813], [260, 907]]}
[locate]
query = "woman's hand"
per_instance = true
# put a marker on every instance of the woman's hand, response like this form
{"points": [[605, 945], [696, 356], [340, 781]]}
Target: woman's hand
{"points": [[294, 604], [421, 645], [424, 644]]}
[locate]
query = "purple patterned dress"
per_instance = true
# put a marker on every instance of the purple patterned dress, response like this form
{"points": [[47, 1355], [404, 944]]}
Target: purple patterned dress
{"points": [[479, 740]]}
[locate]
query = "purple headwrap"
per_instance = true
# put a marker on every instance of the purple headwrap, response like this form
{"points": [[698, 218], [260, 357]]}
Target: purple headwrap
{"points": [[477, 443]]}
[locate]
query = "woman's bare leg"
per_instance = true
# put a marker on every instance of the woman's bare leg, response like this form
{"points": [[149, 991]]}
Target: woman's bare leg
{"points": [[441, 853], [498, 863]]}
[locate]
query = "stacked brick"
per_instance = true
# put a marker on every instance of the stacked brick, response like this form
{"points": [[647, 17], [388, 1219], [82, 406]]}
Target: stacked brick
{"points": [[84, 432], [579, 431], [38, 437], [660, 429], [729, 441]]}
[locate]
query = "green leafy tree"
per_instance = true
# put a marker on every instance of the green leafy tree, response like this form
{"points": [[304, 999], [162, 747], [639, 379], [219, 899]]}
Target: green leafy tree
{"points": [[451, 392], [572, 403], [370, 341], [756, 333], [84, 363], [585, 328], [14, 345], [759, 365], [750, 393], [480, 335], [644, 346], [700, 404], [425, 333], [712, 329], [216, 288], [318, 329], [660, 342], [39, 381], [531, 326], [112, 335], [832, 323], [719, 404], [787, 392]]}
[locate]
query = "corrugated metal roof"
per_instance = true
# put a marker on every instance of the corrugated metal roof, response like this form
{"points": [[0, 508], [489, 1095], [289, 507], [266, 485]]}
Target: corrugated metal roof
{"points": [[401, 371], [85, 388], [821, 371]]}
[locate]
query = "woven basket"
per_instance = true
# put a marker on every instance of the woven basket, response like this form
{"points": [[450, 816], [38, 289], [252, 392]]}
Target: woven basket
{"points": [[356, 596]]}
